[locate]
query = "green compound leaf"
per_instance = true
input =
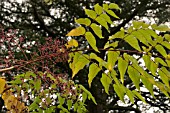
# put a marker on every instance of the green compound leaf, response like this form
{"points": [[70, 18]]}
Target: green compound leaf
{"points": [[161, 50], [93, 70], [106, 81], [91, 40], [98, 9], [134, 76], [131, 40], [97, 30], [122, 66], [92, 14], [84, 21], [102, 22]]}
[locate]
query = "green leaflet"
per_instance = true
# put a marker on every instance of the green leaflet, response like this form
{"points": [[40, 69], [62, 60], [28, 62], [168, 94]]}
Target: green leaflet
{"points": [[160, 27], [167, 37], [98, 9], [113, 44], [159, 60], [114, 6], [167, 60], [84, 95], [114, 76], [137, 24], [147, 36], [110, 12], [131, 58], [148, 85], [112, 57], [147, 60], [130, 30], [166, 44], [97, 30], [93, 70], [37, 84], [34, 105], [84, 21], [105, 6], [119, 34], [159, 39], [151, 33], [122, 66], [140, 37], [88, 93], [164, 77], [149, 77], [69, 104], [91, 40], [77, 31], [120, 91], [100, 60], [139, 95], [106, 81], [79, 61], [60, 99], [134, 76], [153, 68], [106, 17], [102, 22], [167, 72], [92, 14], [130, 95], [161, 50], [131, 40], [151, 65], [163, 88]]}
